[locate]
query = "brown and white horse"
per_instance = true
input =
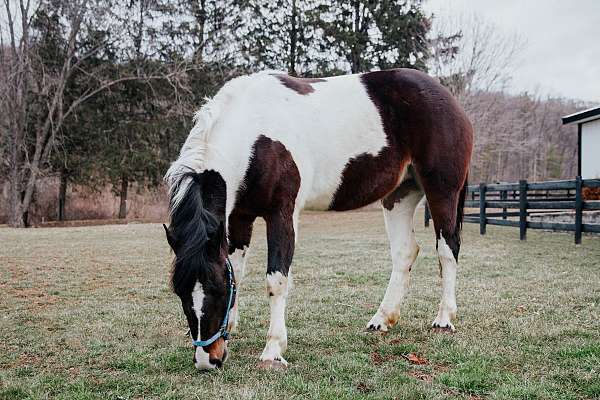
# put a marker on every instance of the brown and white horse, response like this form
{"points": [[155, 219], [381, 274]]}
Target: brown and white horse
{"points": [[268, 145]]}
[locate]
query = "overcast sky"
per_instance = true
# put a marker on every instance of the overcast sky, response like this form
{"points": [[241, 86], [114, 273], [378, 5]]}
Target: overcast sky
{"points": [[562, 53]]}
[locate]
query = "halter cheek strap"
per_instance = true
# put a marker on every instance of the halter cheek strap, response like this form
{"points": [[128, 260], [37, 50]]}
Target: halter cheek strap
{"points": [[222, 332]]}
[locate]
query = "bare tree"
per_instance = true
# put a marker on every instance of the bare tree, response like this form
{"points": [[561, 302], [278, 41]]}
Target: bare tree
{"points": [[30, 133], [470, 53]]}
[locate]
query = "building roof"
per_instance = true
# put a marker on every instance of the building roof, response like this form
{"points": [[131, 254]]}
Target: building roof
{"points": [[582, 116]]}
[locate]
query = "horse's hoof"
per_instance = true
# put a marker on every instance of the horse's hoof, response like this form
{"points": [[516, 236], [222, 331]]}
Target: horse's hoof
{"points": [[273, 364], [377, 324], [443, 328], [377, 328]]}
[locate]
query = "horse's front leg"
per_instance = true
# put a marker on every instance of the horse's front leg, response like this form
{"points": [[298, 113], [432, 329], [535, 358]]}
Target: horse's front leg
{"points": [[280, 240], [240, 233]]}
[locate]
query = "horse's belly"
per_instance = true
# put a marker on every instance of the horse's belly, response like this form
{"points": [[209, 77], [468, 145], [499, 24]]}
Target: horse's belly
{"points": [[364, 180]]}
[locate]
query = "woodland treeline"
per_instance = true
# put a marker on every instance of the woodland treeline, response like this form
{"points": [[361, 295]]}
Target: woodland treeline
{"points": [[98, 94]]}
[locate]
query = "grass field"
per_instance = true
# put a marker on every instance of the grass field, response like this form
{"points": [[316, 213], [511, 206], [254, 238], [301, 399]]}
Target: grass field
{"points": [[87, 313]]}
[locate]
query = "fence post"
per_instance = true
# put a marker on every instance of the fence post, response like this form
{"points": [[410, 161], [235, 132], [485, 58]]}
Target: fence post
{"points": [[578, 209], [482, 220], [504, 197], [427, 214], [523, 209]]}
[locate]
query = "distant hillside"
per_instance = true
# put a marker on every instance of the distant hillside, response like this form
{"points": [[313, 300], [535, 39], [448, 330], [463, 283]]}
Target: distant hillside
{"points": [[521, 137]]}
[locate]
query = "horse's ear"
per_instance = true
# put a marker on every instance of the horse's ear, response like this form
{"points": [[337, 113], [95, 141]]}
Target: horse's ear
{"points": [[170, 238], [215, 241]]}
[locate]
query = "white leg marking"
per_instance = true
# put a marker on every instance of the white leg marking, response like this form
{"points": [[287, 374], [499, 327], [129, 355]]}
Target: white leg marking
{"points": [[277, 289], [404, 249], [447, 310], [238, 260]]}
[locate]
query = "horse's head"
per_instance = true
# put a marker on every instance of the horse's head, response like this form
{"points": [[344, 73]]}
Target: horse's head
{"points": [[202, 277]]}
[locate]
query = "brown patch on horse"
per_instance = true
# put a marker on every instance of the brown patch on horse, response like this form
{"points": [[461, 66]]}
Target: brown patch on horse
{"points": [[216, 350], [239, 230], [423, 121], [271, 182], [367, 178], [301, 86]]}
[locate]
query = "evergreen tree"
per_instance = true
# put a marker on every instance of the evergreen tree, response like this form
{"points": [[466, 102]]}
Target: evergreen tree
{"points": [[371, 35], [280, 35]]}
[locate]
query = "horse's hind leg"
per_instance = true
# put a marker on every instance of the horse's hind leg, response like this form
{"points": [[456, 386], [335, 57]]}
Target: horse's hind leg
{"points": [[240, 234], [446, 206], [398, 210]]}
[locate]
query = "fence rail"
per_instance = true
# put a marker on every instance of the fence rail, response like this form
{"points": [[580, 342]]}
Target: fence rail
{"points": [[530, 199]]}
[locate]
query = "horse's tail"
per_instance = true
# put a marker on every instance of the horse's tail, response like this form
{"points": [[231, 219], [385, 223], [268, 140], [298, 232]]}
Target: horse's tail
{"points": [[460, 209]]}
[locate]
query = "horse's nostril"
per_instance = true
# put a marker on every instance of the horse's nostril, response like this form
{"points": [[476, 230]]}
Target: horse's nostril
{"points": [[216, 362]]}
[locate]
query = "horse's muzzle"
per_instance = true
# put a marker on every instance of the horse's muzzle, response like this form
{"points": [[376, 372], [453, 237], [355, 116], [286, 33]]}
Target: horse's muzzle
{"points": [[212, 356]]}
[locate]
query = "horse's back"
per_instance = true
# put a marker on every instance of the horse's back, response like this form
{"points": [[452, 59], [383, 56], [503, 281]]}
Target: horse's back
{"points": [[351, 137]]}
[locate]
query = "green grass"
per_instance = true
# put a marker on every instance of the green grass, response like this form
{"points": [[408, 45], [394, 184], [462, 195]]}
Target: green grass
{"points": [[87, 313]]}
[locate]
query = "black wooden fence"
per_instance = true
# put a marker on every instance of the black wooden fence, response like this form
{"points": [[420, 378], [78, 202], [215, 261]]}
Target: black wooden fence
{"points": [[510, 204]]}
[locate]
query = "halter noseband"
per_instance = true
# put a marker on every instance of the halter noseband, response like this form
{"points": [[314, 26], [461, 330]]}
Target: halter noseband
{"points": [[222, 332]]}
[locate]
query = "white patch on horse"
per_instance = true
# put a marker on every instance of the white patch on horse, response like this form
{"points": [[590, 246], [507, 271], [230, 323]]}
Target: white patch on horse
{"points": [[404, 249], [202, 358], [238, 260], [197, 302], [447, 310], [277, 289]]}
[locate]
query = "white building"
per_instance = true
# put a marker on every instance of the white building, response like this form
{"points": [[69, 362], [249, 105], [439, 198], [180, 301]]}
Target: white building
{"points": [[588, 141]]}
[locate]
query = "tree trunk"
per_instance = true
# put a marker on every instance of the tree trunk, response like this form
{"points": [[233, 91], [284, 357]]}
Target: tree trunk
{"points": [[356, 51], [15, 206], [199, 11], [293, 40], [123, 196], [62, 195]]}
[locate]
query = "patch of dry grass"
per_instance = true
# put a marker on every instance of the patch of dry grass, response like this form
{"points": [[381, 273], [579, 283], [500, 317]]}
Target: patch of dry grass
{"points": [[87, 313]]}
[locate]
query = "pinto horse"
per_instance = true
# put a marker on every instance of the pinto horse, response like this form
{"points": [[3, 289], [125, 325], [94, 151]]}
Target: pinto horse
{"points": [[268, 145]]}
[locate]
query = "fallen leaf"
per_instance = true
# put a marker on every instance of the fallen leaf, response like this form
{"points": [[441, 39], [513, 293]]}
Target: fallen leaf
{"points": [[414, 359]]}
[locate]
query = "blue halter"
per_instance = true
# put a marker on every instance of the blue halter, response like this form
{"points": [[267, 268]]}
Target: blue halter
{"points": [[222, 332]]}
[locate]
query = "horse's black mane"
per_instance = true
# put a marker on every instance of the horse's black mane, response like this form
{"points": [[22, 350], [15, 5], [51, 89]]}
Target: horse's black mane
{"points": [[196, 228]]}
